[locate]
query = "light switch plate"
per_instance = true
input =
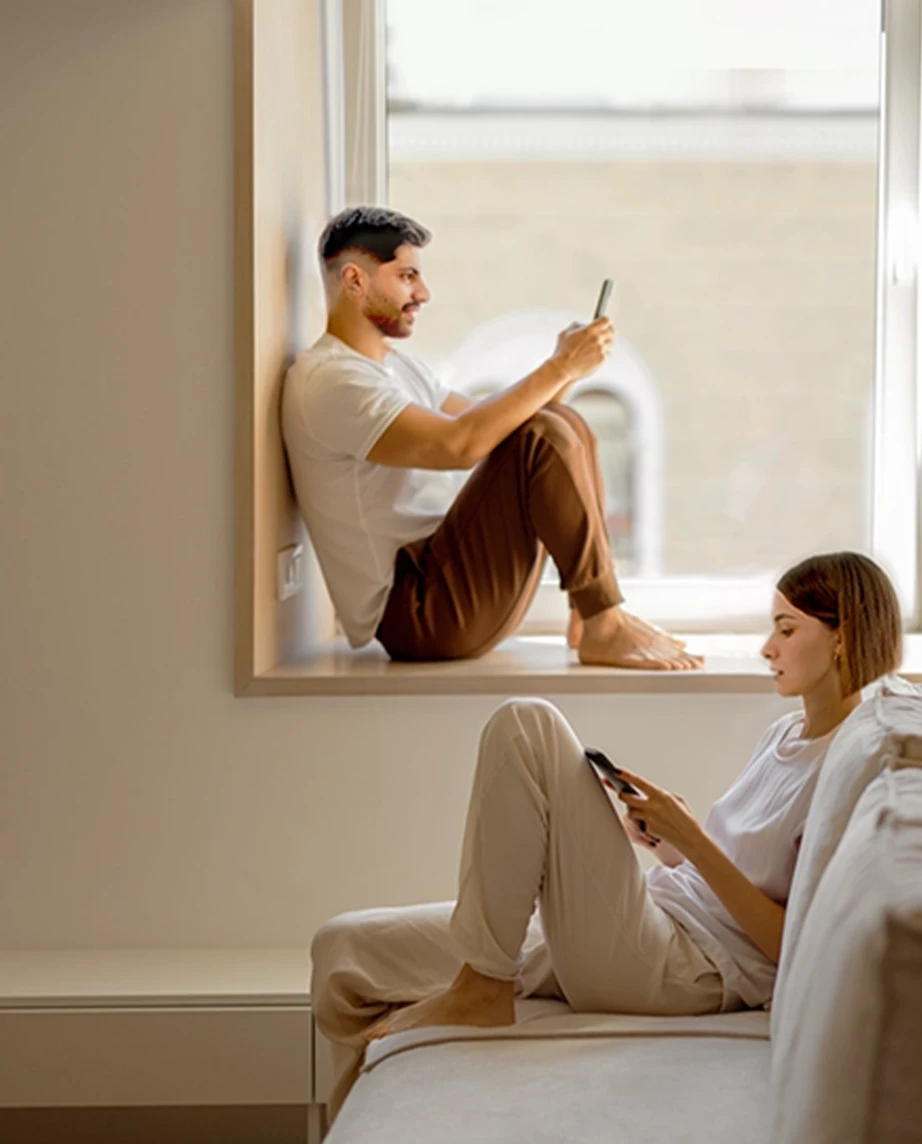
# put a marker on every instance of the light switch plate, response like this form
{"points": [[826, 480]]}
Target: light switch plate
{"points": [[289, 571]]}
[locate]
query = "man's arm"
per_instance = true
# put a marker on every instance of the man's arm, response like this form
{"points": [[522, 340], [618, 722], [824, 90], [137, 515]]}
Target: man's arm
{"points": [[422, 439], [455, 403]]}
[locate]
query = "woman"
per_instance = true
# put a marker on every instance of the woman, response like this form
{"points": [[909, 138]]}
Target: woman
{"points": [[700, 933]]}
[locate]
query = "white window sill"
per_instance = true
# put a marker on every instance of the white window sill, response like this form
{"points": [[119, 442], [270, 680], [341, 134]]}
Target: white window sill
{"points": [[532, 665]]}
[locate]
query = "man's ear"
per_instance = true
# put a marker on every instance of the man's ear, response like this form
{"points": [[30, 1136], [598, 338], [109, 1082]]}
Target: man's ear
{"points": [[352, 279]]}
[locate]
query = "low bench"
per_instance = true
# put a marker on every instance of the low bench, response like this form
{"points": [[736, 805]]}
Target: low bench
{"points": [[142, 1045]]}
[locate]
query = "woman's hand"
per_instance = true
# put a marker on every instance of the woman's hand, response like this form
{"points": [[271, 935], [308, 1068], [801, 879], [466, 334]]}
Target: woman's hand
{"points": [[659, 813], [667, 855], [668, 816], [644, 839]]}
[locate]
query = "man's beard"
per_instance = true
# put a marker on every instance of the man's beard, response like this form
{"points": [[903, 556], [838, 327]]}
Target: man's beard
{"points": [[387, 318]]}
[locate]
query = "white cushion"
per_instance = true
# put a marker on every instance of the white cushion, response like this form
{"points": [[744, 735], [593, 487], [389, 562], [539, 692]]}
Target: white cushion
{"points": [[886, 727], [595, 1090], [847, 1046]]}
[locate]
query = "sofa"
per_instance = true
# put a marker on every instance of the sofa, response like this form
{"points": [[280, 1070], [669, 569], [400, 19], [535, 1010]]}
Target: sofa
{"points": [[836, 1060]]}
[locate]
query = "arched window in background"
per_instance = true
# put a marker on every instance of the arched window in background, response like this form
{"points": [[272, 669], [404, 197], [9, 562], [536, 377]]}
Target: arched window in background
{"points": [[609, 417]]}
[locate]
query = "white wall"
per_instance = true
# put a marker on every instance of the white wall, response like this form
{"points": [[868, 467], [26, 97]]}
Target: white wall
{"points": [[139, 802]]}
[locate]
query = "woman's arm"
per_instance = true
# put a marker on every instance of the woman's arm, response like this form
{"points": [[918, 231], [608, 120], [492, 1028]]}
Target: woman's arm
{"points": [[668, 816], [668, 855], [761, 918]]}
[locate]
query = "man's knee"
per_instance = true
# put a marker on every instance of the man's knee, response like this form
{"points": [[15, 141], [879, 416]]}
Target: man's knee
{"points": [[573, 418], [548, 426]]}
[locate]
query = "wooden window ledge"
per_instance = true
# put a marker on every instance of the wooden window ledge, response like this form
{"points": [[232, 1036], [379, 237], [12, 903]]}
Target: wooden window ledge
{"points": [[531, 665]]}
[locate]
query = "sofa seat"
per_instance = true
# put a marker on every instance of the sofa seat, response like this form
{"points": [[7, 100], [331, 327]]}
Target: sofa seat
{"points": [[559, 1075]]}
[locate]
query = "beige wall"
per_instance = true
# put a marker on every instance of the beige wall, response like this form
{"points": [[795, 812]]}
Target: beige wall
{"points": [[280, 175], [140, 803]]}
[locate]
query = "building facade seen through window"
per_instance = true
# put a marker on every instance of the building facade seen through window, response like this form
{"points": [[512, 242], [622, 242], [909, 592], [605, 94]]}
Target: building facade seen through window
{"points": [[732, 196]]}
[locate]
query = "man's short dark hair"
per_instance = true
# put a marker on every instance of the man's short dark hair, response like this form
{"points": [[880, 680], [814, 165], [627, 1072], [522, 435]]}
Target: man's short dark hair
{"points": [[375, 231]]}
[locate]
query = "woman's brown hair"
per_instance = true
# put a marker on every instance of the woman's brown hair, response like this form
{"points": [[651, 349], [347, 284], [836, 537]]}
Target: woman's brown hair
{"points": [[852, 595]]}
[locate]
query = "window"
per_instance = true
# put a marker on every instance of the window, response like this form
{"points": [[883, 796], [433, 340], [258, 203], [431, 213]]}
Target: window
{"points": [[612, 419], [621, 402], [751, 183]]}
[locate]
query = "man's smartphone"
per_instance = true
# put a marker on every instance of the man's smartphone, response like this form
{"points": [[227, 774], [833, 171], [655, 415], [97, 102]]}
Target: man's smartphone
{"points": [[604, 295], [605, 770]]}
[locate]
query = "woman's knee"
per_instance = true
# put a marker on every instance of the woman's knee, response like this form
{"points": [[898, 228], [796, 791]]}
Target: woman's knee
{"points": [[532, 718], [355, 937], [337, 937]]}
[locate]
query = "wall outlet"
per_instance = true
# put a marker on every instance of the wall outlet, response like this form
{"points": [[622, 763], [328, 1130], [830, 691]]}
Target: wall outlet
{"points": [[289, 571]]}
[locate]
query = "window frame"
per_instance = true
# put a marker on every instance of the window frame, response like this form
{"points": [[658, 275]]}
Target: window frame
{"points": [[894, 478]]}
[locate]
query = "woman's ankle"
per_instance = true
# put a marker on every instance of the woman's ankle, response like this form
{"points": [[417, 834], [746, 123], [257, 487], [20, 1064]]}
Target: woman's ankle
{"points": [[470, 981]]}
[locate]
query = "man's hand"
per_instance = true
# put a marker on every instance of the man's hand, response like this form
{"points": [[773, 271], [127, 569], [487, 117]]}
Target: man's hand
{"points": [[563, 335], [655, 811], [581, 350]]}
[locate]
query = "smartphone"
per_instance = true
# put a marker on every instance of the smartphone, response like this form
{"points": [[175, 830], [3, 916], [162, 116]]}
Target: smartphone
{"points": [[604, 295], [605, 770], [612, 782]]}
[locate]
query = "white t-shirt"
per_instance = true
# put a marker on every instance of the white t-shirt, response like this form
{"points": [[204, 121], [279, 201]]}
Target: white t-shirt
{"points": [[758, 824], [336, 403]]}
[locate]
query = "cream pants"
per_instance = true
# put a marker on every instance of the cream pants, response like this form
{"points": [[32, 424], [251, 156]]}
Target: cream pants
{"points": [[539, 830]]}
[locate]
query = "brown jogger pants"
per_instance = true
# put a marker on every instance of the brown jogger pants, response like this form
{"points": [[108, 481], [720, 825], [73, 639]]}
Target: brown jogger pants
{"points": [[460, 591]]}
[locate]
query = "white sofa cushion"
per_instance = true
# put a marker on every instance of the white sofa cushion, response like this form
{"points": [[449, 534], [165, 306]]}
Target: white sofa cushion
{"points": [[535, 1090], [558, 1075], [847, 1044], [886, 727]]}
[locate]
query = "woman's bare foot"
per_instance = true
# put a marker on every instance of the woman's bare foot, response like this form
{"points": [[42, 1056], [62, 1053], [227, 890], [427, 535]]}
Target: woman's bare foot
{"points": [[471, 999], [615, 638]]}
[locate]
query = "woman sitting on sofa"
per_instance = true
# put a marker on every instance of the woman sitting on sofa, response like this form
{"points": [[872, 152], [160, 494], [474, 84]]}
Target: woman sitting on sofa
{"points": [[700, 933]]}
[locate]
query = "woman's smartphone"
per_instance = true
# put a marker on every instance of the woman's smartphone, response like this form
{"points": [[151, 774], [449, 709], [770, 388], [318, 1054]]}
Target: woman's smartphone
{"points": [[612, 782], [604, 295], [605, 770]]}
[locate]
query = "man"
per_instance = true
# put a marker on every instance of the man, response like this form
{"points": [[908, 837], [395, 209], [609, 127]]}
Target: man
{"points": [[372, 437]]}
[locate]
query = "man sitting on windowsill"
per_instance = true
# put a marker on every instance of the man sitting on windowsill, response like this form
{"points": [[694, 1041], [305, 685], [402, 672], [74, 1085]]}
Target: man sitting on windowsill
{"points": [[371, 437]]}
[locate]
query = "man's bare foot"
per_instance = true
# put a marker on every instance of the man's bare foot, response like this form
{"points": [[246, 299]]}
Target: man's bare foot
{"points": [[471, 999], [574, 629], [644, 626], [617, 639], [576, 624]]}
